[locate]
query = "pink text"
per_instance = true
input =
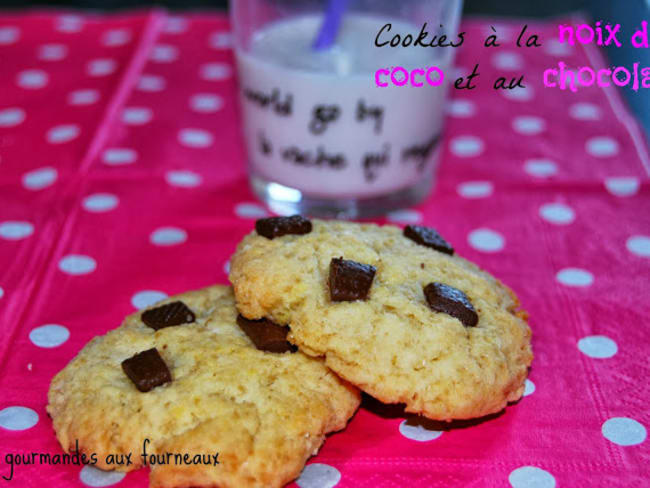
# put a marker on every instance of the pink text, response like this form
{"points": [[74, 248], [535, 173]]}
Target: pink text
{"points": [[400, 76]]}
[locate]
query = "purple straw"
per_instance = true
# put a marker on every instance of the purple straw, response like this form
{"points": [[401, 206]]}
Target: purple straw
{"points": [[330, 27]]}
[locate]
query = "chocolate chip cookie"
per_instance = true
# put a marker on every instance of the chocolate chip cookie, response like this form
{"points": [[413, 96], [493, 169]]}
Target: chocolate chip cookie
{"points": [[185, 381], [395, 312]]}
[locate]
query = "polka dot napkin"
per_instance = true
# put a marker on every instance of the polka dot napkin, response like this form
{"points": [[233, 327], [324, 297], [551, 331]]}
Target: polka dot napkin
{"points": [[122, 182]]}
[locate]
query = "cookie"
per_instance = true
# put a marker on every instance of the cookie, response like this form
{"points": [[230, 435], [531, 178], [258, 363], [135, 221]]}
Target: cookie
{"points": [[200, 386], [428, 329]]}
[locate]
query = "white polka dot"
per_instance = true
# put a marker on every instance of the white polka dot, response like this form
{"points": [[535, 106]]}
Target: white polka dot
{"points": [[8, 35], [540, 168], [168, 236], [146, 298], [529, 387], [62, 133], [574, 277], [95, 477], [137, 115], [116, 37], [50, 335], [164, 53], [519, 94], [18, 418], [639, 245], [10, 117], [226, 267], [215, 71], [2, 292], [528, 125], [151, 83], [183, 178], [32, 79], [404, 216], [584, 111], [557, 213], [531, 477], [195, 138], [461, 108], [418, 429], [119, 155], [52, 52], [505, 60], [622, 186], [220, 40], [624, 431], [101, 67], [466, 146], [14, 230], [39, 178], [502, 31], [76, 264], [83, 97], [486, 240], [69, 23], [557, 48], [602, 147], [100, 202], [318, 475], [597, 346], [475, 189], [175, 25], [250, 211], [206, 102]]}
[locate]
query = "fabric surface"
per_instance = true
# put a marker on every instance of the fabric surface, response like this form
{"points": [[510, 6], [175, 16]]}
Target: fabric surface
{"points": [[122, 180]]}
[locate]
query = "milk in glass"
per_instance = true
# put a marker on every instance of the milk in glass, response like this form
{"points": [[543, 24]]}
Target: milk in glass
{"points": [[317, 125]]}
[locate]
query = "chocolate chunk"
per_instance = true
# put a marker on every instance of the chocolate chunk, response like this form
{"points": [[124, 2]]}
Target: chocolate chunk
{"points": [[447, 299], [147, 370], [280, 226], [349, 280], [266, 335], [174, 313], [428, 237]]}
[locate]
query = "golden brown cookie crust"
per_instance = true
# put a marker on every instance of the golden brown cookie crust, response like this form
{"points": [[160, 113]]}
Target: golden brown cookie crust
{"points": [[391, 345], [264, 413]]}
